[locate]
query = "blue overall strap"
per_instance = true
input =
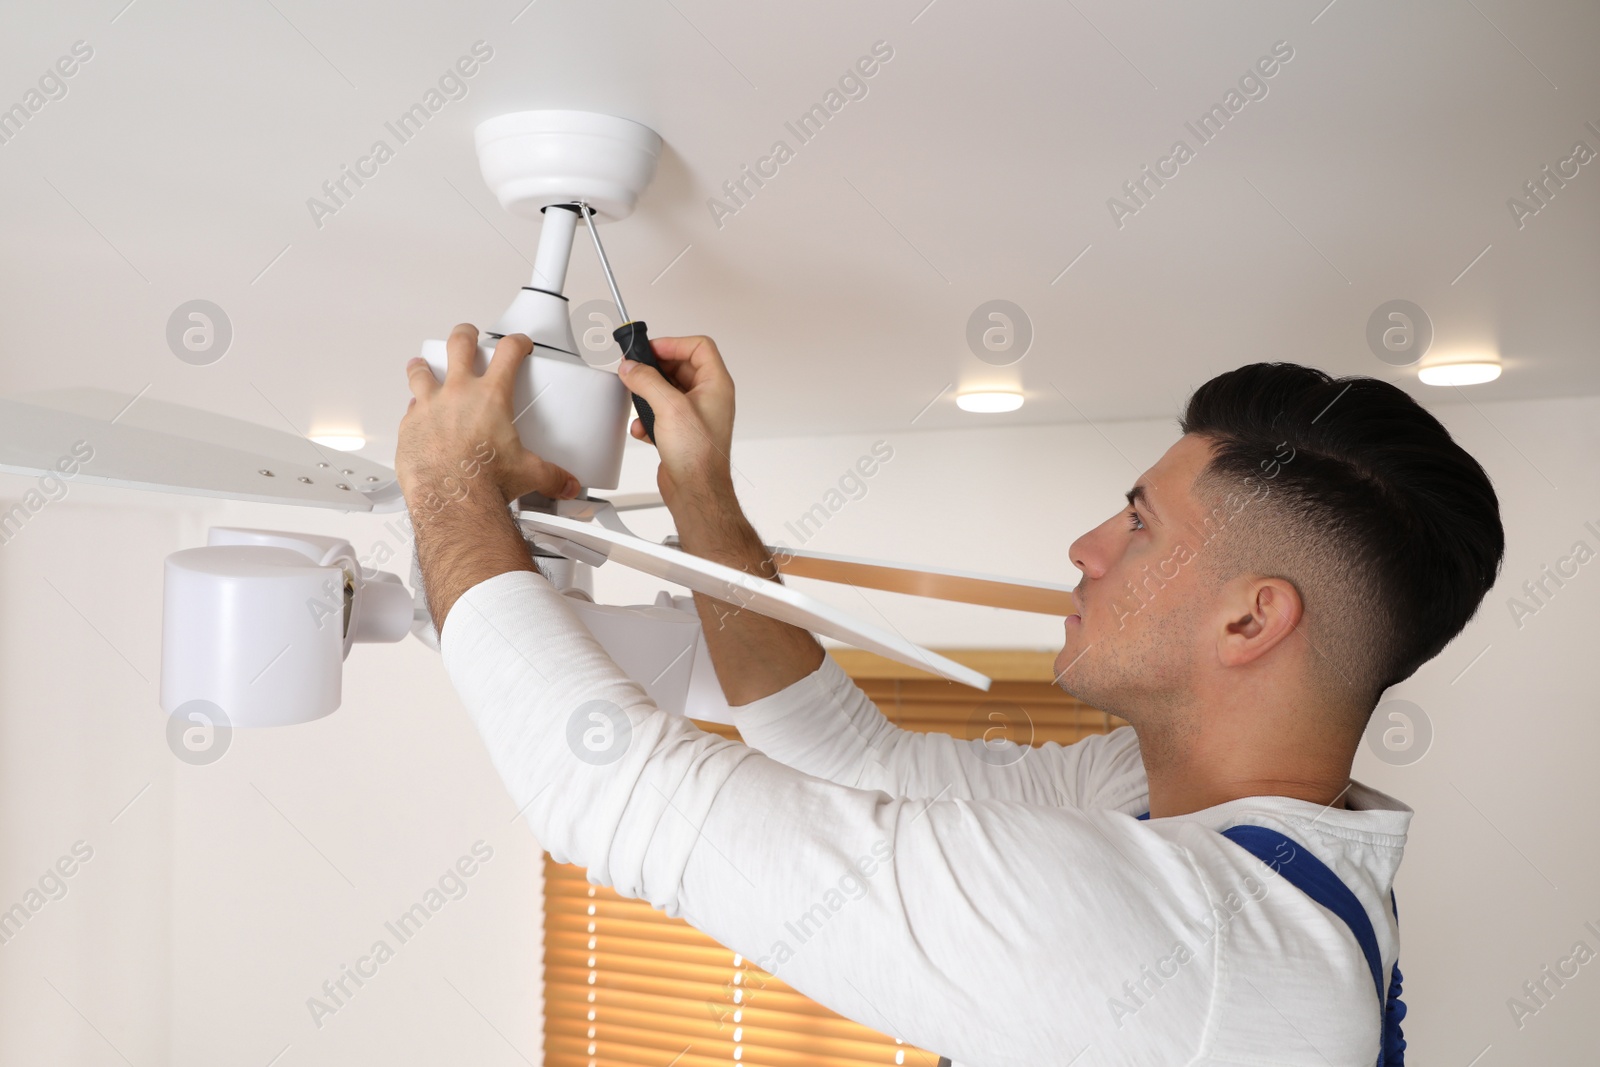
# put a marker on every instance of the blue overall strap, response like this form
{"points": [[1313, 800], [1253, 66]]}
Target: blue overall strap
{"points": [[1312, 877], [1394, 1012]]}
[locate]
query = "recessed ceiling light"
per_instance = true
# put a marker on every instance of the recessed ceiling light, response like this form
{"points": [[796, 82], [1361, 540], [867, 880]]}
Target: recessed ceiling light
{"points": [[343, 442], [1473, 373], [989, 402]]}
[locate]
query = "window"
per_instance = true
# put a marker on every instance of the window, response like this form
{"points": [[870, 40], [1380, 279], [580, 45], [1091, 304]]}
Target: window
{"points": [[625, 986]]}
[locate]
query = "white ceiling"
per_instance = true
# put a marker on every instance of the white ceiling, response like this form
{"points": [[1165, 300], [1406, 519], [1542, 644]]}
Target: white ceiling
{"points": [[978, 166]]}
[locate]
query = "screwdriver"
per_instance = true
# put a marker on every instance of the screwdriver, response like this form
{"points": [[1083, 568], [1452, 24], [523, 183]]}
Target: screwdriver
{"points": [[631, 336]]}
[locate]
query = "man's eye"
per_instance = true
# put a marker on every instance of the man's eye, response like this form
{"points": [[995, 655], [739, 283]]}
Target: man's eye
{"points": [[1134, 522]]}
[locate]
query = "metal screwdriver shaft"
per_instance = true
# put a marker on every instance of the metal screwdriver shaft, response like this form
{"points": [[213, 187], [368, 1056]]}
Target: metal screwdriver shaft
{"points": [[588, 217], [633, 337]]}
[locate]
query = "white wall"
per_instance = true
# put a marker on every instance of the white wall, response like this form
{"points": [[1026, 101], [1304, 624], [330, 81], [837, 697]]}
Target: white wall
{"points": [[82, 759], [219, 902], [227, 894]]}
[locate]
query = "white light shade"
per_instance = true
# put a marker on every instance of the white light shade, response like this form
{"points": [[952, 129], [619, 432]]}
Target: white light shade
{"points": [[237, 634], [1474, 373], [256, 625], [989, 402], [342, 442]]}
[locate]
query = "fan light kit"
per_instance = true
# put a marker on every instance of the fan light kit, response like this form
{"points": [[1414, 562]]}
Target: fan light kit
{"points": [[257, 623], [989, 402], [1474, 372]]}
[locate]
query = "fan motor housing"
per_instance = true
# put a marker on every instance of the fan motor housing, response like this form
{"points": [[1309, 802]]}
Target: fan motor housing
{"points": [[542, 164], [571, 414]]}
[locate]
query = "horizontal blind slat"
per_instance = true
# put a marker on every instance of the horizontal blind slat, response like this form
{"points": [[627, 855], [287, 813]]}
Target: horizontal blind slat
{"points": [[570, 986], [712, 955]]}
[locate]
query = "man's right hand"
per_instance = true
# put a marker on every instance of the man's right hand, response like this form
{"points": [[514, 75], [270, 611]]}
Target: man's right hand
{"points": [[692, 396], [754, 656]]}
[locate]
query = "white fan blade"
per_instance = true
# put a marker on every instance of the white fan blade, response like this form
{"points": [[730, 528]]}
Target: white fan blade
{"points": [[171, 448], [746, 590], [634, 501], [964, 587]]}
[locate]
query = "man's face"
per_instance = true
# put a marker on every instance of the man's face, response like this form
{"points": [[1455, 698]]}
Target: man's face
{"points": [[1133, 647]]}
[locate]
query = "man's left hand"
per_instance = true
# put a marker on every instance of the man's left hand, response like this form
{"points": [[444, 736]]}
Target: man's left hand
{"points": [[460, 463], [457, 438]]}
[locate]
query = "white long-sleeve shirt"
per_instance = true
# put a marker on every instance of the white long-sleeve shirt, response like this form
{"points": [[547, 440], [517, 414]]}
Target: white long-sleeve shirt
{"points": [[1015, 914]]}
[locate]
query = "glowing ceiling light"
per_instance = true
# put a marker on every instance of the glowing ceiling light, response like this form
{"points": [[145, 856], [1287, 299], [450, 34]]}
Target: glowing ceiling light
{"points": [[1471, 373], [989, 402]]}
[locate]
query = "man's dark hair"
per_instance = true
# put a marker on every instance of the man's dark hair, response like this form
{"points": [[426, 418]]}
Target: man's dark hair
{"points": [[1388, 528]]}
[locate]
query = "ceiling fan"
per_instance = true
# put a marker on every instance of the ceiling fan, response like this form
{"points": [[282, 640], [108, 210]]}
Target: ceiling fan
{"points": [[257, 623]]}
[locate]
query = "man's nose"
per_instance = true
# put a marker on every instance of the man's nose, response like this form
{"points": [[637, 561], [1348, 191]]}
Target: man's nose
{"points": [[1097, 550], [1086, 557]]}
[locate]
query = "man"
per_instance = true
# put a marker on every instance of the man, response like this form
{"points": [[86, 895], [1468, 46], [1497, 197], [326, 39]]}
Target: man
{"points": [[1304, 545]]}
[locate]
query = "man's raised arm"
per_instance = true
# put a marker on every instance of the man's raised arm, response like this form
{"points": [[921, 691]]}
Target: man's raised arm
{"points": [[790, 700], [754, 656]]}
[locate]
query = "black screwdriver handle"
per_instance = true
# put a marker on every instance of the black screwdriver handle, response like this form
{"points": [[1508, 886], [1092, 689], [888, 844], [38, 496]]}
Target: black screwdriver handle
{"points": [[635, 343]]}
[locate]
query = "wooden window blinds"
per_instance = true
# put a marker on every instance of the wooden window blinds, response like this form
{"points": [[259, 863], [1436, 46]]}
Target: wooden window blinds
{"points": [[625, 986]]}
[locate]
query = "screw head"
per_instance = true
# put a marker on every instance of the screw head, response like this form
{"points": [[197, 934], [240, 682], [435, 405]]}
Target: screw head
{"points": [[267, 473], [304, 479]]}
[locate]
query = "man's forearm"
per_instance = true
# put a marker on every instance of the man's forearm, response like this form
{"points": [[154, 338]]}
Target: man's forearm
{"points": [[754, 656], [461, 541]]}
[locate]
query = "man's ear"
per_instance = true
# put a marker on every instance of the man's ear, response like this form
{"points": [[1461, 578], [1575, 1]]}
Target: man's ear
{"points": [[1258, 614]]}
